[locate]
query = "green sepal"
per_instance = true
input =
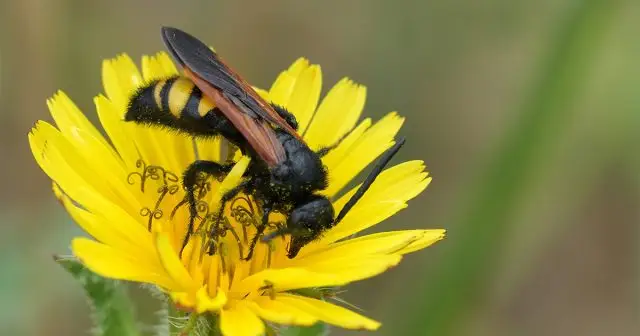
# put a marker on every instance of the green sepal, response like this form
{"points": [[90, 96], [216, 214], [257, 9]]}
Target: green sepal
{"points": [[112, 309]]}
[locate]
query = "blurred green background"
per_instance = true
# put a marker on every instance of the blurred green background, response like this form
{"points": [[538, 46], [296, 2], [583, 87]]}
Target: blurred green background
{"points": [[526, 113]]}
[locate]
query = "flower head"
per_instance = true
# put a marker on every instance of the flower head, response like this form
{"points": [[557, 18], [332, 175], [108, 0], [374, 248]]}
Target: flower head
{"points": [[125, 191]]}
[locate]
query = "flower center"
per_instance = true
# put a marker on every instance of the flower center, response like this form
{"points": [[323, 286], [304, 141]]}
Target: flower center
{"points": [[231, 234]]}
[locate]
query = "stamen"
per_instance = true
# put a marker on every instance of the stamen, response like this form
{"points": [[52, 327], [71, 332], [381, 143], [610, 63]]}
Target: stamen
{"points": [[222, 253], [169, 179], [229, 227], [268, 288], [156, 173], [243, 212], [271, 248]]}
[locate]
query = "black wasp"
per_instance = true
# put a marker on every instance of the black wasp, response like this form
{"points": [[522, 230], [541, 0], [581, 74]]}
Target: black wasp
{"points": [[284, 174]]}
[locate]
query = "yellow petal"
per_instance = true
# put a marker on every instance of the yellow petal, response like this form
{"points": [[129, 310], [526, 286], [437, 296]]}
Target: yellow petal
{"points": [[298, 89], [379, 243], [209, 149], [284, 84], [214, 272], [111, 263], [371, 144], [62, 157], [112, 120], [89, 144], [360, 218], [344, 102], [68, 117], [120, 78], [329, 313], [337, 154], [112, 232], [387, 195], [278, 312], [206, 303], [158, 66], [428, 239], [57, 157], [263, 93], [304, 99], [172, 265], [347, 269], [286, 279], [240, 321]]}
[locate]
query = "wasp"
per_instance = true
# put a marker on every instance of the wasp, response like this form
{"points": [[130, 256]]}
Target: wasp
{"points": [[284, 175]]}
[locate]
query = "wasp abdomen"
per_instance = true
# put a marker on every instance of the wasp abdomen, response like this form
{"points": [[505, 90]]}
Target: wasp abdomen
{"points": [[180, 97], [175, 103]]}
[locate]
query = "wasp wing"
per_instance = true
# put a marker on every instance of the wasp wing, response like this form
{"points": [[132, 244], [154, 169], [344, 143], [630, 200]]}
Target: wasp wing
{"points": [[205, 63], [257, 132]]}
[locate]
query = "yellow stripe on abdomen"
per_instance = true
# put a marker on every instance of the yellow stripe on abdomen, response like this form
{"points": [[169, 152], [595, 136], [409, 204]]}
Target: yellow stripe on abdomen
{"points": [[156, 93], [179, 95], [205, 106]]}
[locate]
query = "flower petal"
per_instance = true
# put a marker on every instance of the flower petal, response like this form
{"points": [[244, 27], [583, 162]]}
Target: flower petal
{"points": [[112, 232], [284, 85], [206, 303], [379, 243], [278, 312], [286, 279], [158, 66], [328, 312], [298, 90], [61, 161], [367, 148], [387, 195], [209, 149], [428, 239], [239, 320], [111, 263], [344, 102], [112, 120], [120, 78], [347, 269], [172, 264], [68, 117]]}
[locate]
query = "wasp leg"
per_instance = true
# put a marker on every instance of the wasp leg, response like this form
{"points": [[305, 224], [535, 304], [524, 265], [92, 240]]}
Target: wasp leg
{"points": [[189, 181], [265, 220], [325, 150], [286, 115]]}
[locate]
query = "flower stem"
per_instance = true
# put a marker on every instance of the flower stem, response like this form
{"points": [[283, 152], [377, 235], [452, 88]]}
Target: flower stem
{"points": [[214, 326], [191, 324]]}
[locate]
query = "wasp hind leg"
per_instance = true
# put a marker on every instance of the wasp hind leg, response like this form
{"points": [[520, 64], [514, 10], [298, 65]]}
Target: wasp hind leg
{"points": [[286, 115], [190, 182]]}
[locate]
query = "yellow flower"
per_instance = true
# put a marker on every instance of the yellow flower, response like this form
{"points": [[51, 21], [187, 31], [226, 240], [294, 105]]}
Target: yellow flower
{"points": [[125, 192]]}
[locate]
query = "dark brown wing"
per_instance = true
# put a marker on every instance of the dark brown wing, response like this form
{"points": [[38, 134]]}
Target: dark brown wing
{"points": [[258, 133], [202, 61]]}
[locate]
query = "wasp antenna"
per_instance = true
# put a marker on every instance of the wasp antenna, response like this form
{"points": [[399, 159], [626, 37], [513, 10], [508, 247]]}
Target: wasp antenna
{"points": [[382, 162]]}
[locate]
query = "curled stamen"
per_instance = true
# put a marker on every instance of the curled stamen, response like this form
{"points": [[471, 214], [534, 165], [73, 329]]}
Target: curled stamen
{"points": [[242, 211]]}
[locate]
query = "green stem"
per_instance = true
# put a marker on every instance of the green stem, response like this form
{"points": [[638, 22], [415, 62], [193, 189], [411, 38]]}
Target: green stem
{"points": [[191, 324], [472, 250], [214, 326], [174, 313]]}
